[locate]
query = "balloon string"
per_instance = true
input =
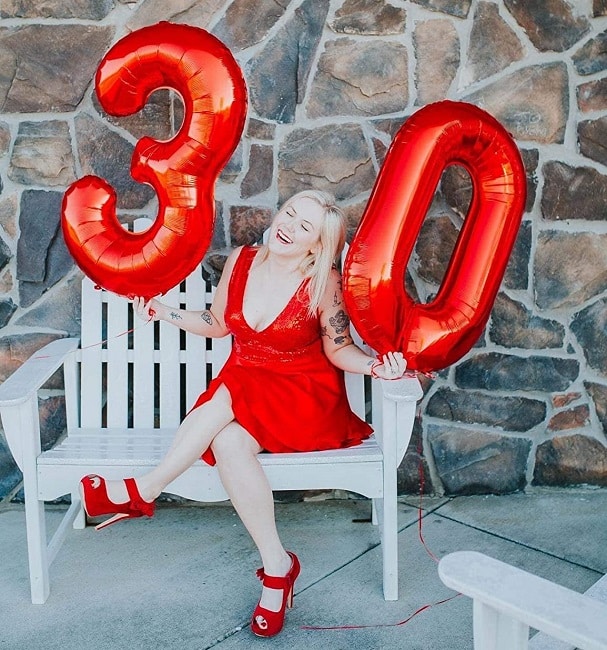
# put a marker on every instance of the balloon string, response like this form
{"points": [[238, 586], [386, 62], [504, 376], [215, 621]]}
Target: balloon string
{"points": [[423, 608], [92, 345]]}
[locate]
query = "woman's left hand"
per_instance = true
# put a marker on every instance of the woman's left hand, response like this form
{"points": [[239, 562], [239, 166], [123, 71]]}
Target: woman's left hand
{"points": [[391, 366]]}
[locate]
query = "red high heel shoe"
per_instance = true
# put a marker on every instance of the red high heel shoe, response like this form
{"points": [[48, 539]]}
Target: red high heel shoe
{"points": [[266, 622], [93, 493]]}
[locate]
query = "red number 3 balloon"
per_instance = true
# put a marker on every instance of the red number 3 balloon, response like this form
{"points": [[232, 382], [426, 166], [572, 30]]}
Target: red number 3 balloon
{"points": [[434, 335], [183, 170]]}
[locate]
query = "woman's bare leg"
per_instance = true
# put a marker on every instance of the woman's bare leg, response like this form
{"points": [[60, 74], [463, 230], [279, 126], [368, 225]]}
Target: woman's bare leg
{"points": [[192, 439], [247, 486]]}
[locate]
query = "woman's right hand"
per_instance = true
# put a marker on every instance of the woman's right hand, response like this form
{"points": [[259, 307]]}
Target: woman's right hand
{"points": [[147, 311]]}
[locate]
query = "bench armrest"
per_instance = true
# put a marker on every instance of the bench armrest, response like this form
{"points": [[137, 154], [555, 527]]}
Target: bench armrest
{"points": [[19, 399], [31, 375], [516, 595]]}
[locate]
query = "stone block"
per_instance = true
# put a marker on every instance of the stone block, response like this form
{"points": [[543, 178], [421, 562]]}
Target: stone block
{"points": [[7, 309], [246, 23], [5, 138], [9, 208], [493, 45], [499, 371], [532, 103], [591, 139], [504, 412], [457, 8], [592, 56], [369, 17], [512, 325], [59, 310], [434, 247], [588, 325], [247, 224], [42, 257], [5, 254], [107, 154], [16, 349], [261, 171], [577, 417], [413, 475], [82, 9], [598, 394], [586, 194], [278, 75], [189, 12], [259, 130], [359, 78], [332, 157], [469, 461], [10, 474], [571, 460], [49, 67], [569, 268], [552, 25], [42, 155], [437, 59], [592, 95]]}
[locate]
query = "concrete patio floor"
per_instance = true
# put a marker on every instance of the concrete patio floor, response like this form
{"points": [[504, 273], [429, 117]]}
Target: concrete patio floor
{"points": [[186, 578]]}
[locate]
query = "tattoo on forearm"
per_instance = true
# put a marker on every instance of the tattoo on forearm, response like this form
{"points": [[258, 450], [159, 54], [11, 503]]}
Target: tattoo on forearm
{"points": [[175, 316], [338, 340], [339, 322], [206, 317], [323, 332], [336, 300]]}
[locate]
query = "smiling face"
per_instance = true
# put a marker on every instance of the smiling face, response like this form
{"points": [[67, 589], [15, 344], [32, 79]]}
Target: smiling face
{"points": [[295, 230]]}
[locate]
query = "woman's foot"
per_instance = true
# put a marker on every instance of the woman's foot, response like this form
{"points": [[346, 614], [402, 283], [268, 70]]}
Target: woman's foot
{"points": [[277, 595], [98, 500]]}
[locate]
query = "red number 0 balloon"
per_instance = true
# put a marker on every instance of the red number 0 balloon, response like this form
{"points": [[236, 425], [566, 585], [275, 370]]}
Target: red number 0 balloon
{"points": [[182, 170], [434, 335]]}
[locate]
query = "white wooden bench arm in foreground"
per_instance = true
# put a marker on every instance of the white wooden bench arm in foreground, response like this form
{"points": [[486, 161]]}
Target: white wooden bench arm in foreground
{"points": [[507, 601]]}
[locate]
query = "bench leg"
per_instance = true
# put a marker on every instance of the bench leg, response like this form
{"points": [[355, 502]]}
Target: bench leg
{"points": [[36, 548], [389, 545], [494, 630], [80, 518]]}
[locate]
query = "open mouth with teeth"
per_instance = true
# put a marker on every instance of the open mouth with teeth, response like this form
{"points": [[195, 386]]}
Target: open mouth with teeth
{"points": [[284, 238]]}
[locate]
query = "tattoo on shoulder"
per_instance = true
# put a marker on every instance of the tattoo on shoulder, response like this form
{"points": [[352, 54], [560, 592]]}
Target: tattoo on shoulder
{"points": [[340, 321], [206, 317], [175, 316]]}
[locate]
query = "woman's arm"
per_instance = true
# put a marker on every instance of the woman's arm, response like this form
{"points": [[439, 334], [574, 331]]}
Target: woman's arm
{"points": [[208, 322], [338, 344]]}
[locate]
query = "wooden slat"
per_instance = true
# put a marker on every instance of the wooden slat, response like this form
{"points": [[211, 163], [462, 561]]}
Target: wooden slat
{"points": [[117, 366], [170, 388], [90, 368], [143, 373], [196, 299]]}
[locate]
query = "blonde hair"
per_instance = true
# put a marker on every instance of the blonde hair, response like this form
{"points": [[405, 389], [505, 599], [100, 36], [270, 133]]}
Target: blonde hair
{"points": [[317, 265]]}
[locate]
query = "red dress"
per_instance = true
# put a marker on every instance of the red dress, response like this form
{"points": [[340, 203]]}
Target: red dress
{"points": [[285, 391]]}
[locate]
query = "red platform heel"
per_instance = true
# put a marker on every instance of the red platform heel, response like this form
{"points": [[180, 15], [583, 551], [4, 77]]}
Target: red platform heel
{"points": [[266, 622], [93, 493]]}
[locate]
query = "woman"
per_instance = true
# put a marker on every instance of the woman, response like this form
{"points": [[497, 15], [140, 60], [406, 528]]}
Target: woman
{"points": [[281, 390]]}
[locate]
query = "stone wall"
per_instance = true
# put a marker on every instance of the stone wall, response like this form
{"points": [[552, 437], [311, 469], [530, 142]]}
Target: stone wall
{"points": [[330, 83]]}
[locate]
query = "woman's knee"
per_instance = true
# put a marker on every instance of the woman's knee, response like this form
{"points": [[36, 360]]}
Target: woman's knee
{"points": [[233, 441]]}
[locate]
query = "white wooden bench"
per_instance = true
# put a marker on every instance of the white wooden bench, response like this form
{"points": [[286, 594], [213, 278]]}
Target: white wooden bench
{"points": [[125, 398], [508, 601]]}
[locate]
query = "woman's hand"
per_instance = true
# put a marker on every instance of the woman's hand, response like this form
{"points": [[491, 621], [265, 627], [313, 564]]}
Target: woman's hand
{"points": [[391, 366], [147, 311]]}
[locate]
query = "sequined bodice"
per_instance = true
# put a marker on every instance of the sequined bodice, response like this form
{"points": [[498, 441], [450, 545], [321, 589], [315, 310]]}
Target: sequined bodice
{"points": [[292, 335]]}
